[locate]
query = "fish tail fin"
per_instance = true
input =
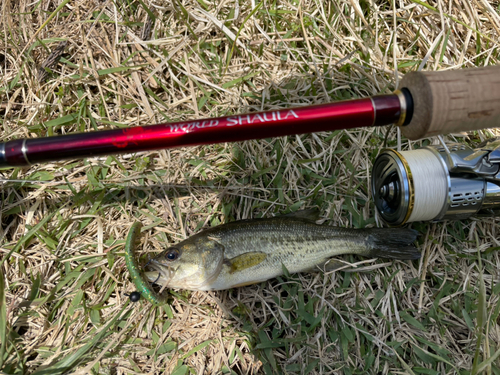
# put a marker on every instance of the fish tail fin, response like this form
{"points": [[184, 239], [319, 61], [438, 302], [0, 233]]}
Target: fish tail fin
{"points": [[393, 243]]}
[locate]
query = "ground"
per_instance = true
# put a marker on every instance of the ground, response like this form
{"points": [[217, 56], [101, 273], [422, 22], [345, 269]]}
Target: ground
{"points": [[123, 63]]}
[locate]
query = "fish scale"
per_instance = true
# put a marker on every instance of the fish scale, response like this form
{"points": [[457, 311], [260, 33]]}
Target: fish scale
{"points": [[298, 246]]}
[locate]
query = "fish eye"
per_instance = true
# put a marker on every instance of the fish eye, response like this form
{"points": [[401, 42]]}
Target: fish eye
{"points": [[172, 254]]}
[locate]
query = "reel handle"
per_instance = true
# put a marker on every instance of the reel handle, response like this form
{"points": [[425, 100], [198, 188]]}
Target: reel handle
{"points": [[452, 101]]}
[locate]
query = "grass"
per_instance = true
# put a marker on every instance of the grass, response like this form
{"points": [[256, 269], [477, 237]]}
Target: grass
{"points": [[63, 307]]}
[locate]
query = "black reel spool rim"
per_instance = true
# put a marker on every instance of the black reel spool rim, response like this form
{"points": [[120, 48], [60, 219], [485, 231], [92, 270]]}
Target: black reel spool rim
{"points": [[392, 188]]}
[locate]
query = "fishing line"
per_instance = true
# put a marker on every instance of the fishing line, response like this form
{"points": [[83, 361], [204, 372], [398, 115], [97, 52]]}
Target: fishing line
{"points": [[429, 183]]}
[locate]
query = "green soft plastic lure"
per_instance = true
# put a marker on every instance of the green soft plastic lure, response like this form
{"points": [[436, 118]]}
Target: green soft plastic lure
{"points": [[140, 282]]}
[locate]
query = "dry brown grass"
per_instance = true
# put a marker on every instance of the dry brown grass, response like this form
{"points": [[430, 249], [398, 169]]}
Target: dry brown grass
{"points": [[65, 282]]}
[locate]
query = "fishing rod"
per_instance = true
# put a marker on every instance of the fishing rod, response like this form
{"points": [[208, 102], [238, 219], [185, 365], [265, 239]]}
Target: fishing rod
{"points": [[425, 104]]}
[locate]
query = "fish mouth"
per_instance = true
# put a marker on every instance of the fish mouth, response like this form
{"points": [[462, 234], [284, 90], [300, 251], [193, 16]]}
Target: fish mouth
{"points": [[152, 276], [165, 276], [157, 273]]}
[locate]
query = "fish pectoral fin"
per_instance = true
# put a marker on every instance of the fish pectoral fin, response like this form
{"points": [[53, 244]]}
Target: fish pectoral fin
{"points": [[245, 261]]}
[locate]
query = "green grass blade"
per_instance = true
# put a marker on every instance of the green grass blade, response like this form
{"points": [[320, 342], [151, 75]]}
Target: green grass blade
{"points": [[238, 33], [435, 356], [3, 319], [404, 364], [481, 367], [148, 11], [181, 370], [481, 311], [197, 349]]}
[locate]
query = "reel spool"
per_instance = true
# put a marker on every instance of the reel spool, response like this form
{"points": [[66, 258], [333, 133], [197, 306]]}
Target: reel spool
{"points": [[436, 183]]}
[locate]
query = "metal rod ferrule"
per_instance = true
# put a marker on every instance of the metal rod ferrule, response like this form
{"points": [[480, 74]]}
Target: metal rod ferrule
{"points": [[403, 105]]}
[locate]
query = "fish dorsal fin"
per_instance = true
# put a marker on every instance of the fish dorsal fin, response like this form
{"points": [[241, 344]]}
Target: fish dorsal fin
{"points": [[244, 261], [310, 214]]}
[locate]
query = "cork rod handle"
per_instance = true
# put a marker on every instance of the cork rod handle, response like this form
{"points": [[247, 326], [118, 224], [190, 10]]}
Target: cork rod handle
{"points": [[453, 101]]}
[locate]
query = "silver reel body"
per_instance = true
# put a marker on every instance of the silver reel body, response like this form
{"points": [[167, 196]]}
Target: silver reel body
{"points": [[437, 183]]}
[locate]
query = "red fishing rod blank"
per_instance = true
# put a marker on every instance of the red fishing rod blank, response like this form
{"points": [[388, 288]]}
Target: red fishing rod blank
{"points": [[379, 110]]}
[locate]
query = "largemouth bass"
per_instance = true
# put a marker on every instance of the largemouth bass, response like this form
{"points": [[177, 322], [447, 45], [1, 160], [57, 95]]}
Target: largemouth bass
{"points": [[251, 251]]}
